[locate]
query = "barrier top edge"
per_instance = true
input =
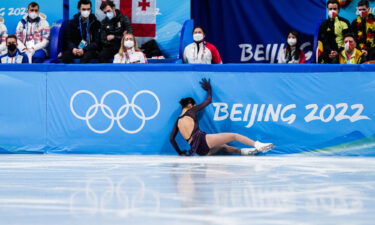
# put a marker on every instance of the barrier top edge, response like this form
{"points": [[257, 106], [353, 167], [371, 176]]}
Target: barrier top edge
{"points": [[280, 68]]}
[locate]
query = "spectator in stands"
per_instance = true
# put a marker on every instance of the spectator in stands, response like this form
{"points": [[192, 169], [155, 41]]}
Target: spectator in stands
{"points": [[292, 52], [82, 35], [3, 35], [129, 51], [200, 51], [33, 34], [114, 26], [350, 54], [363, 28], [331, 33], [13, 55]]}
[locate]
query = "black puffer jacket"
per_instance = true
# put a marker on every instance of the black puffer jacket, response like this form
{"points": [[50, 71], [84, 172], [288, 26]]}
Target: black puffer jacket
{"points": [[72, 35], [115, 26]]}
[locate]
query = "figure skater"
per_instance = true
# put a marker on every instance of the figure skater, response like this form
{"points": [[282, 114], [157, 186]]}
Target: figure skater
{"points": [[208, 144]]}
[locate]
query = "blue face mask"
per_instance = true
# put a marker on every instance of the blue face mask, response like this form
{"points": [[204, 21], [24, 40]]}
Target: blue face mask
{"points": [[110, 15]]}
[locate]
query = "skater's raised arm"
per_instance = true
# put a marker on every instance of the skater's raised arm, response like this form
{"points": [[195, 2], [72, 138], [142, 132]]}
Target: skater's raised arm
{"points": [[206, 85]]}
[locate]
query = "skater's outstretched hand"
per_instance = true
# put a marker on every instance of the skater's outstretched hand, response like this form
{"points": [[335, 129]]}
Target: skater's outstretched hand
{"points": [[206, 84]]}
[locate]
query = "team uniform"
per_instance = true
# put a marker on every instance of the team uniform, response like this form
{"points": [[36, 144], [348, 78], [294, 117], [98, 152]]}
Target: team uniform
{"points": [[130, 56], [34, 34], [288, 57], [16, 58], [201, 53]]}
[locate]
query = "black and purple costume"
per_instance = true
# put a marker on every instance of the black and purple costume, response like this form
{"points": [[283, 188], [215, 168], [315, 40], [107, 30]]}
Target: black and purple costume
{"points": [[198, 142]]}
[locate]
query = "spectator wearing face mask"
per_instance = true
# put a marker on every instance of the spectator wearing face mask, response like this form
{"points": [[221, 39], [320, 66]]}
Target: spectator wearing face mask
{"points": [[350, 54], [363, 28], [82, 36], [292, 52], [200, 51], [331, 33], [129, 51], [114, 26], [3, 35], [33, 34], [13, 55]]}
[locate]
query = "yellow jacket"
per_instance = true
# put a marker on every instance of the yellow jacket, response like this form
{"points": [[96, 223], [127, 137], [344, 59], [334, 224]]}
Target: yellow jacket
{"points": [[355, 58]]}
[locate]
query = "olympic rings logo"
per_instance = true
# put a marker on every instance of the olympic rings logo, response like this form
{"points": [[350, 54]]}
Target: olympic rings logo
{"points": [[108, 112]]}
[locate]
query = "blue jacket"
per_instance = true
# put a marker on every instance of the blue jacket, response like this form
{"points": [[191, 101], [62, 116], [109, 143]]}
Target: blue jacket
{"points": [[17, 57]]}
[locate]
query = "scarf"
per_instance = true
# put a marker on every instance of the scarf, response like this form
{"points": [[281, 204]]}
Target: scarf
{"points": [[366, 28]]}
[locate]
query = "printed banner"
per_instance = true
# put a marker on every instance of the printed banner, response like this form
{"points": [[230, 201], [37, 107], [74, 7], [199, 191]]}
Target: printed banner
{"points": [[158, 19], [23, 112], [256, 31], [133, 112]]}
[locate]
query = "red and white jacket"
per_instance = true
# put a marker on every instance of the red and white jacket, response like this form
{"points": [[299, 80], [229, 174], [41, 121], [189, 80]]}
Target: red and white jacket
{"points": [[37, 31], [3, 35], [206, 54], [131, 56]]}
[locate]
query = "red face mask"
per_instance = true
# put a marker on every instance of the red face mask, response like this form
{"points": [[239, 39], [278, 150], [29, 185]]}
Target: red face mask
{"points": [[363, 14], [332, 14]]}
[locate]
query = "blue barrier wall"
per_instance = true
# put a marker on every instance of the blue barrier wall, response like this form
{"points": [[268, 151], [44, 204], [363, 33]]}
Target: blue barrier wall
{"points": [[130, 109]]}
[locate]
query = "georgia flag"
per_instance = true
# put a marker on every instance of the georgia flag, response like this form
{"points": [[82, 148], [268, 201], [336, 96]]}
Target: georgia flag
{"points": [[142, 14]]}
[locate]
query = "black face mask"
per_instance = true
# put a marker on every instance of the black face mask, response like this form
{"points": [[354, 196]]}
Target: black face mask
{"points": [[12, 47]]}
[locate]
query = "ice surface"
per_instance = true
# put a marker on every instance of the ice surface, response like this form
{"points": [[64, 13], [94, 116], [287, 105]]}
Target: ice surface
{"points": [[111, 190]]}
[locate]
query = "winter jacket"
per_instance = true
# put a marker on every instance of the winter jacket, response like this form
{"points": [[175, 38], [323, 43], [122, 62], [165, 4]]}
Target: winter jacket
{"points": [[131, 56], [3, 35], [356, 58], [73, 36], [286, 57], [17, 57], [205, 54], [115, 26], [331, 36], [37, 30]]}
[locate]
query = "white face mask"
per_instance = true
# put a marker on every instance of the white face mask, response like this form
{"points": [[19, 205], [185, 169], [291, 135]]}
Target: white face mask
{"points": [[129, 44], [33, 15], [292, 41], [85, 13], [332, 14], [110, 15], [198, 37]]}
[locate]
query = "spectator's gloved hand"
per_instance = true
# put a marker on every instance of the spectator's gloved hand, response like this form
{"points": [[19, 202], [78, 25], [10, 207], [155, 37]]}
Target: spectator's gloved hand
{"points": [[206, 84]]}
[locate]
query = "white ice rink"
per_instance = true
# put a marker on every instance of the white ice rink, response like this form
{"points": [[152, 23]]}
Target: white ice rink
{"points": [[113, 190]]}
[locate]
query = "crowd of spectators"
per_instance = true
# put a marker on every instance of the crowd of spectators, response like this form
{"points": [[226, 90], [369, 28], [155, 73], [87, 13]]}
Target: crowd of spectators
{"points": [[112, 39]]}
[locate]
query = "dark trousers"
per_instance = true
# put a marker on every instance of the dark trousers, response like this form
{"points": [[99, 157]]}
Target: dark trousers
{"points": [[371, 54], [68, 57], [107, 54]]}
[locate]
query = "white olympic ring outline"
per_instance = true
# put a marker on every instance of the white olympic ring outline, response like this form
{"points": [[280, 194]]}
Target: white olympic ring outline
{"points": [[108, 112]]}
